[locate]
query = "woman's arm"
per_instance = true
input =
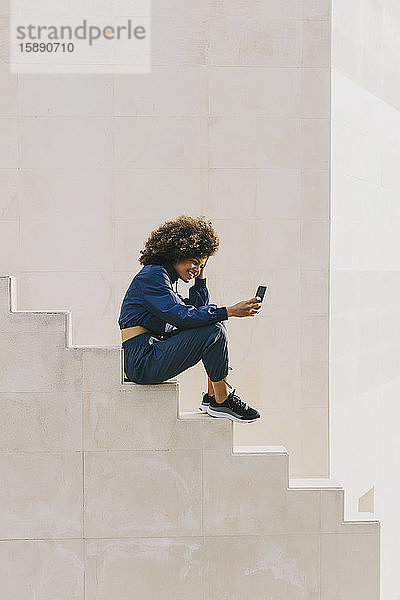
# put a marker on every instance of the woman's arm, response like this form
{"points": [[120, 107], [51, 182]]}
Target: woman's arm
{"points": [[198, 293], [159, 298]]}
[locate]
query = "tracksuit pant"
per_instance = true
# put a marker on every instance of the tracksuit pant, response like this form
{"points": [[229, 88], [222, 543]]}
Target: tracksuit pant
{"points": [[148, 359]]}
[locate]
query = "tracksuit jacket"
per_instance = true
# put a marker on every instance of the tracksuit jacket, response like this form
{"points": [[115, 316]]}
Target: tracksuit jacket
{"points": [[151, 302]]}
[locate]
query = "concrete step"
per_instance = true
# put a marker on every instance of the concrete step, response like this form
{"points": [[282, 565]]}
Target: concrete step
{"points": [[85, 454]]}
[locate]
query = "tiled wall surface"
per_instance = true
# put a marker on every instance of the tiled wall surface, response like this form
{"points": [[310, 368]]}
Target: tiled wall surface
{"points": [[365, 281], [233, 123]]}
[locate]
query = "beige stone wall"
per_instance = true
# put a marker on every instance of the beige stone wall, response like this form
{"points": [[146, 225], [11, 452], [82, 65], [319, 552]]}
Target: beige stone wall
{"points": [[365, 278], [233, 123]]}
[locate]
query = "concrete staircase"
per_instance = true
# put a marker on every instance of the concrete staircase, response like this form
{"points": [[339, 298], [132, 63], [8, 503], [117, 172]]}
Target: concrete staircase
{"points": [[109, 492]]}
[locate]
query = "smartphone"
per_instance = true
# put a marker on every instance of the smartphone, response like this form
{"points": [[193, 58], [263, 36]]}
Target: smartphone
{"points": [[261, 291]]}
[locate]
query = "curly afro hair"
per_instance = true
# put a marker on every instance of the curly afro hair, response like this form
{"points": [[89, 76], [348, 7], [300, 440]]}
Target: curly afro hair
{"points": [[184, 237]]}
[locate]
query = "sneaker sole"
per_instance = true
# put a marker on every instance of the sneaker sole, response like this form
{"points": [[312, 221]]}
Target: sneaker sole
{"points": [[217, 413], [204, 410]]}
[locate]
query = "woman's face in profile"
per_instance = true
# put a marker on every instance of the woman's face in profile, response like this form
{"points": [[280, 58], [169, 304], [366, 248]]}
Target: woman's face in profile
{"points": [[189, 268]]}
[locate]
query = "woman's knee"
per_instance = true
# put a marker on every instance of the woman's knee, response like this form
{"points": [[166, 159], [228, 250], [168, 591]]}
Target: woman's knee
{"points": [[221, 327], [218, 330]]}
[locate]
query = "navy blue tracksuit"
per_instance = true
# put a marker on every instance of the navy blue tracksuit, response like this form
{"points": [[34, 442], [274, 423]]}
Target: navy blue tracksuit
{"points": [[183, 331]]}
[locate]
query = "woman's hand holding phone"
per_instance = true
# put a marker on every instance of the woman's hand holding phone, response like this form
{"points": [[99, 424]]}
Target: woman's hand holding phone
{"points": [[248, 308], [245, 308]]}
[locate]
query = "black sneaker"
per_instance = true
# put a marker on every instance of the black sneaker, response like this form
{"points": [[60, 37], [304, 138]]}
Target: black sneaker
{"points": [[233, 408], [205, 402]]}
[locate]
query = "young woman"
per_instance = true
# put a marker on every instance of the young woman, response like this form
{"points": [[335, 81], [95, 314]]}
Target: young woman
{"points": [[163, 333]]}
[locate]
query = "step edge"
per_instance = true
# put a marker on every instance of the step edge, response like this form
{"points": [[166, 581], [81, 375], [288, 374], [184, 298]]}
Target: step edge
{"points": [[168, 383], [314, 483], [194, 416], [271, 449], [52, 311]]}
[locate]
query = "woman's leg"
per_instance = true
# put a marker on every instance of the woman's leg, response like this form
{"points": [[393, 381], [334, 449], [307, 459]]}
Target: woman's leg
{"points": [[221, 391], [167, 358]]}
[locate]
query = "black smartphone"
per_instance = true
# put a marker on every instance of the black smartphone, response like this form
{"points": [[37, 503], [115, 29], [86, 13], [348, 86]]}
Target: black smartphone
{"points": [[261, 291]]}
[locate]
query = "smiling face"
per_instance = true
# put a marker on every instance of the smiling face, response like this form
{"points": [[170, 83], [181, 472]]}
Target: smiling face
{"points": [[189, 268]]}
